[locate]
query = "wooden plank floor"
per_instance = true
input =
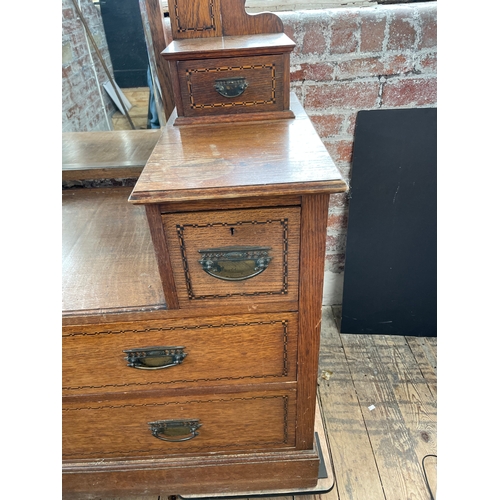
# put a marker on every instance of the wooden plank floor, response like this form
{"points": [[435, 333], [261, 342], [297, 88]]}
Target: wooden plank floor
{"points": [[379, 398], [139, 98]]}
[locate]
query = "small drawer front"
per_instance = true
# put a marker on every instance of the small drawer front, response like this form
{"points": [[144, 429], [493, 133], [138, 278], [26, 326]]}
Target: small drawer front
{"points": [[232, 85], [234, 255], [152, 355], [155, 427]]}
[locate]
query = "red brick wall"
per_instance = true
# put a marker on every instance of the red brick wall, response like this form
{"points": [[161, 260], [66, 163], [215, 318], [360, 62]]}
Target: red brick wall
{"points": [[350, 59], [83, 107]]}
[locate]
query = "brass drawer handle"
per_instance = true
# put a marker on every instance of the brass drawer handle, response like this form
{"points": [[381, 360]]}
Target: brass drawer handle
{"points": [[231, 87], [155, 357], [235, 263], [175, 430]]}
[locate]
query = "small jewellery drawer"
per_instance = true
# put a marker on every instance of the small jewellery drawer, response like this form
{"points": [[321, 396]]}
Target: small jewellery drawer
{"points": [[152, 355], [154, 427], [234, 255], [232, 85]]}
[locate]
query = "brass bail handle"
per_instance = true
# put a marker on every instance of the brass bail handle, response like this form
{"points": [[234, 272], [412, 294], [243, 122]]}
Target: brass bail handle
{"points": [[231, 87], [155, 357], [235, 263], [174, 431]]}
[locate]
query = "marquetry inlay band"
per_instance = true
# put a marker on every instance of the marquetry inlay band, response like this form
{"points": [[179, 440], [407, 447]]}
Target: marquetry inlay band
{"points": [[187, 273], [194, 29], [232, 69], [283, 373], [150, 449]]}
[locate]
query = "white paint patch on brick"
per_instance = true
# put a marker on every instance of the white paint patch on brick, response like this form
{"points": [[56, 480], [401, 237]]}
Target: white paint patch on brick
{"points": [[332, 288], [254, 6]]}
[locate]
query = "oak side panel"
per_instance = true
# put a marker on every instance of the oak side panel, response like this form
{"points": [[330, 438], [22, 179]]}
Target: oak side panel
{"points": [[176, 88], [286, 82], [155, 17], [314, 217], [162, 256]]}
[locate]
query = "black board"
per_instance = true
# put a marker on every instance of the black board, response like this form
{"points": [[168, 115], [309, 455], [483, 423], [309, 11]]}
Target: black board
{"points": [[126, 42], [390, 276]]}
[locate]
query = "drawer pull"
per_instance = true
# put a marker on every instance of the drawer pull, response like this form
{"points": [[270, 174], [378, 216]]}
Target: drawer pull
{"points": [[235, 263], [155, 358], [231, 87], [175, 431]]}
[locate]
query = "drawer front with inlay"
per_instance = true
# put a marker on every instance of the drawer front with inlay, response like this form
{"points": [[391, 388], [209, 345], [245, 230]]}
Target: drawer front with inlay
{"points": [[152, 355], [234, 255], [162, 426], [232, 85]]}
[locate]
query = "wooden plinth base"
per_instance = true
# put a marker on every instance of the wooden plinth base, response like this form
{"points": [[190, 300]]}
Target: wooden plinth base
{"points": [[326, 476]]}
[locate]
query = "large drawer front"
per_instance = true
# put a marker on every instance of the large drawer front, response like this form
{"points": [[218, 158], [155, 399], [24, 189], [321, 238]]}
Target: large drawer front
{"points": [[232, 85], [229, 350], [234, 255], [227, 423]]}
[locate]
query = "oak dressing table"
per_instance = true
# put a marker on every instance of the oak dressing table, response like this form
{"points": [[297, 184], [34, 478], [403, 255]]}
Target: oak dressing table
{"points": [[192, 309]]}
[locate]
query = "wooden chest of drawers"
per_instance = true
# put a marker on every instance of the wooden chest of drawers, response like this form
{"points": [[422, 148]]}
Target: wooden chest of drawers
{"points": [[191, 329], [234, 255], [227, 65], [192, 305], [253, 79]]}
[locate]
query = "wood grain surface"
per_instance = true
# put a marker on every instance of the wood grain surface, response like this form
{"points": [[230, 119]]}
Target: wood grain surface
{"points": [[275, 228], [107, 149], [263, 75], [196, 48], [314, 215], [108, 258], [369, 463], [216, 18], [157, 38], [224, 160], [245, 349], [247, 421]]}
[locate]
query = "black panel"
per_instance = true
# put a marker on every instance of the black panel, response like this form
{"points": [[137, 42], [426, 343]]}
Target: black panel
{"points": [[126, 42], [390, 282]]}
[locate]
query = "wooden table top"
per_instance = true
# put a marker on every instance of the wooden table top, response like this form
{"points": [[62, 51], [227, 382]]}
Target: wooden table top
{"points": [[109, 263], [114, 153], [196, 48], [226, 160]]}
